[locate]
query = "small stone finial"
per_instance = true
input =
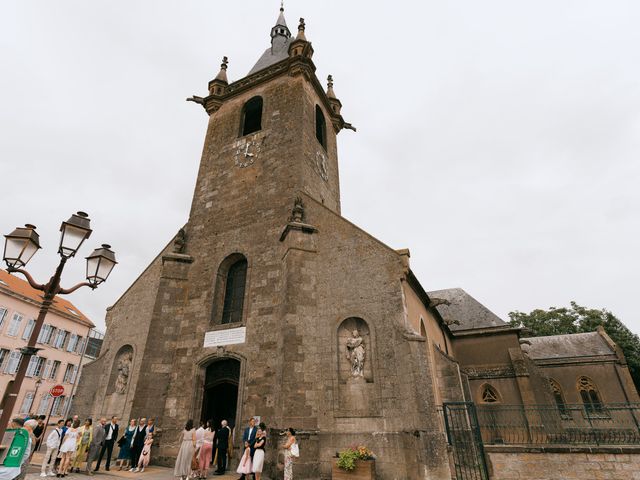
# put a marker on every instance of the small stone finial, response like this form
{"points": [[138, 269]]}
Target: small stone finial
{"points": [[330, 92], [297, 214], [222, 74], [301, 27]]}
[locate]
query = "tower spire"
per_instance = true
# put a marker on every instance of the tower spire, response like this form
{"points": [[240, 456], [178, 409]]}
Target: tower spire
{"points": [[222, 74]]}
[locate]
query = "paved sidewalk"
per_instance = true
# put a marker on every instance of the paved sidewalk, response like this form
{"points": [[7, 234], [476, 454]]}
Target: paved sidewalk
{"points": [[150, 473]]}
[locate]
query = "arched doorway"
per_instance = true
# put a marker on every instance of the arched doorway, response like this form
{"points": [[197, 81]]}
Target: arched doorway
{"points": [[220, 398]]}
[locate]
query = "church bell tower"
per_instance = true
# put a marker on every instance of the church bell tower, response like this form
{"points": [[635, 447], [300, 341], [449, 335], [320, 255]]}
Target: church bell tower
{"points": [[271, 134]]}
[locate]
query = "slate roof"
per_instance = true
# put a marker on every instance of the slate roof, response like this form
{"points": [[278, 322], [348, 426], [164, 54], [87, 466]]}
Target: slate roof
{"points": [[564, 346], [272, 55], [465, 309], [13, 284], [279, 49]]}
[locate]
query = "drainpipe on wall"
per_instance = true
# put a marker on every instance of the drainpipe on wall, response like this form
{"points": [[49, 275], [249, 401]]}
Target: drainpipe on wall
{"points": [[75, 384]]}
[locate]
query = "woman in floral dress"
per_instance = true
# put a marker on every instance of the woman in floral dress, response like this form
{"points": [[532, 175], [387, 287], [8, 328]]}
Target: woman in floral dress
{"points": [[288, 457]]}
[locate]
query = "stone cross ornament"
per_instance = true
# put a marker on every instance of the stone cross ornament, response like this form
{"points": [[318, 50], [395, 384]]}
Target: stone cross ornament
{"points": [[356, 354]]}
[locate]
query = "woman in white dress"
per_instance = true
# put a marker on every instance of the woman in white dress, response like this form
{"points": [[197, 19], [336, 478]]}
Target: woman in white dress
{"points": [[68, 448], [187, 449], [258, 455]]}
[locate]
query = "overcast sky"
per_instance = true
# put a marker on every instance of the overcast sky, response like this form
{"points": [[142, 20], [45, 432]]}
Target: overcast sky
{"points": [[499, 141]]}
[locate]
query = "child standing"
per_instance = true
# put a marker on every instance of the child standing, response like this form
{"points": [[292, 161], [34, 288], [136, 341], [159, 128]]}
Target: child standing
{"points": [[245, 463], [145, 456]]}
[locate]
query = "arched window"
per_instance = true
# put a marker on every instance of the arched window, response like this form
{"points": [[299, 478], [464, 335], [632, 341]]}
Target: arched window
{"points": [[321, 127], [489, 394], [234, 292], [252, 116], [589, 394], [558, 397]]}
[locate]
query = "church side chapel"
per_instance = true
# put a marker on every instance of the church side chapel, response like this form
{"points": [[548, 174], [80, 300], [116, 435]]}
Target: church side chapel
{"points": [[269, 303]]}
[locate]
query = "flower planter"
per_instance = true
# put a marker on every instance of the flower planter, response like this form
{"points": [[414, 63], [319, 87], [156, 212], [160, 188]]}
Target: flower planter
{"points": [[365, 470]]}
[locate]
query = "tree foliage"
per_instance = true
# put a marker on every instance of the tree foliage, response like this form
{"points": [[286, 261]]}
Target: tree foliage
{"points": [[578, 319]]}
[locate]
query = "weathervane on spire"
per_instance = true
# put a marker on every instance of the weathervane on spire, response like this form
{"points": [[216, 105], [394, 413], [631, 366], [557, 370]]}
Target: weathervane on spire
{"points": [[282, 5]]}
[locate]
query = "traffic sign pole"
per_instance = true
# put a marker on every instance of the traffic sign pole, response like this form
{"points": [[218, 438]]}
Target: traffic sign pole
{"points": [[55, 392]]}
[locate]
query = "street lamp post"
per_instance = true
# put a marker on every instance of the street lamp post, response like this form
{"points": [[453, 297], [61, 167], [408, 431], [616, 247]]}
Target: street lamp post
{"points": [[35, 394], [20, 246]]}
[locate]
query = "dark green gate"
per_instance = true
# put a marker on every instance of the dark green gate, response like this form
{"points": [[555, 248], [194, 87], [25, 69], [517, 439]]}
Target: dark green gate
{"points": [[463, 434]]}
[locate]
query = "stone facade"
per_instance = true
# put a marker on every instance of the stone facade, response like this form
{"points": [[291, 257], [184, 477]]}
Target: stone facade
{"points": [[580, 464], [272, 198]]}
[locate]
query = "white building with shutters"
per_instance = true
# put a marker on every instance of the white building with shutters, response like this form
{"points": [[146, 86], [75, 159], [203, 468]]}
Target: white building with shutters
{"points": [[62, 339]]}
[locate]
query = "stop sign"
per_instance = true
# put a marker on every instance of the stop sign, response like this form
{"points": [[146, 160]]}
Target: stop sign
{"points": [[56, 391]]}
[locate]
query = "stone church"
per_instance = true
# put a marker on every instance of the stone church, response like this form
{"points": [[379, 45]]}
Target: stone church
{"points": [[269, 303]]}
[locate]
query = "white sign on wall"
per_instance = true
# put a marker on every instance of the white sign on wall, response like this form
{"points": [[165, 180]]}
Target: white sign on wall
{"points": [[218, 338]]}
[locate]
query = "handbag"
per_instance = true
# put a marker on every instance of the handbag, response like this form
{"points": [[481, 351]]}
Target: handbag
{"points": [[121, 441], [295, 450]]}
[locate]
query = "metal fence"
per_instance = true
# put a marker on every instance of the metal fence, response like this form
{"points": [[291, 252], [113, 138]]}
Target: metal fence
{"points": [[569, 424], [463, 434]]}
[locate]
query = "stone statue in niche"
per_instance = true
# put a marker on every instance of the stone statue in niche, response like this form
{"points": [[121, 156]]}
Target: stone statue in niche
{"points": [[356, 354], [124, 370]]}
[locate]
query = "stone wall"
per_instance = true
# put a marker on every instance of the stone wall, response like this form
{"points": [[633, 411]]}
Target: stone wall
{"points": [[127, 324], [612, 463], [448, 375]]}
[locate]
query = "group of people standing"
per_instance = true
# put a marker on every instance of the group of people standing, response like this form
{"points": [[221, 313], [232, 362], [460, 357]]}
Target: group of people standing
{"points": [[197, 449], [198, 446], [135, 445], [70, 444]]}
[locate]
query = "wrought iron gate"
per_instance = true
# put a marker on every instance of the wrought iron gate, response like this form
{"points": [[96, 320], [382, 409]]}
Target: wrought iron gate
{"points": [[463, 434]]}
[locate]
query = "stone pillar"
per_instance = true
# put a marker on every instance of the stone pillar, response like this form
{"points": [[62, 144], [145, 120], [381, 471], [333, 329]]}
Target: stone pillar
{"points": [[155, 373], [427, 444], [299, 365]]}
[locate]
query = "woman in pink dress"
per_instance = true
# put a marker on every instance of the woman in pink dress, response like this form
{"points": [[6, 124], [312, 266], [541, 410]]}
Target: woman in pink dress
{"points": [[245, 463], [206, 451], [145, 456]]}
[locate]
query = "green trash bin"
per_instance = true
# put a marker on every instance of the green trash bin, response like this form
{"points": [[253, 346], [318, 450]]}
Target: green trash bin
{"points": [[18, 447]]}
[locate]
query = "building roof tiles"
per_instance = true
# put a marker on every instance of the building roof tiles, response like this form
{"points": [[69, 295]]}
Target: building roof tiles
{"points": [[10, 284]]}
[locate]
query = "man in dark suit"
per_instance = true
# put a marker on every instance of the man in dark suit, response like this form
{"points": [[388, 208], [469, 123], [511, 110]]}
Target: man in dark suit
{"points": [[111, 436], [137, 443], [249, 435], [222, 444]]}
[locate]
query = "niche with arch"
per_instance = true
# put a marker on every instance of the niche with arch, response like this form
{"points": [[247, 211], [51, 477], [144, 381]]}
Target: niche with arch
{"points": [[350, 347], [121, 371], [230, 290], [356, 354]]}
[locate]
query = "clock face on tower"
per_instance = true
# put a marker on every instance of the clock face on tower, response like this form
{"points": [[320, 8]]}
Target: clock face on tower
{"points": [[246, 152], [321, 165]]}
